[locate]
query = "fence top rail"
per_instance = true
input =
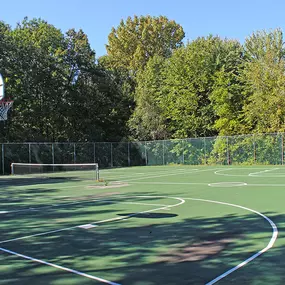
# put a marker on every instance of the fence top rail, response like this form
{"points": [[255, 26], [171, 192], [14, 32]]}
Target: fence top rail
{"points": [[54, 164], [142, 142]]}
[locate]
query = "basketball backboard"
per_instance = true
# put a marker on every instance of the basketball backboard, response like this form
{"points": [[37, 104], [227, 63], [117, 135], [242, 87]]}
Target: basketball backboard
{"points": [[1, 87], [5, 105]]}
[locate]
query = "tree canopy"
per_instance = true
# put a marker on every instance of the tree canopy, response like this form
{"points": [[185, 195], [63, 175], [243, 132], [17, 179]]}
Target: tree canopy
{"points": [[60, 93], [137, 39], [150, 85]]}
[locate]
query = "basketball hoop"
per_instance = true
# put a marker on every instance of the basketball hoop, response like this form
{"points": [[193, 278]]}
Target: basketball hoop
{"points": [[5, 105]]}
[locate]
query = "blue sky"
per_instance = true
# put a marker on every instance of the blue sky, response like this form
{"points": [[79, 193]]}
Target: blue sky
{"points": [[226, 18]]}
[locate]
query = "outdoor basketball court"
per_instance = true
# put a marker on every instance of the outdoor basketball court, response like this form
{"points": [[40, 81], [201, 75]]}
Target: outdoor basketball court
{"points": [[145, 226]]}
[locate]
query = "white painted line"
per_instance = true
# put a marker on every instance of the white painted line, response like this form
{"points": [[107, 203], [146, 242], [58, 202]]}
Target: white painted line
{"points": [[193, 183], [133, 174], [149, 175], [109, 220], [263, 171], [39, 234], [40, 208], [144, 204], [266, 185], [87, 226], [88, 182], [180, 171], [220, 172], [227, 184], [182, 201], [270, 176], [59, 267], [161, 175], [269, 245], [169, 183], [95, 224], [170, 174], [104, 221]]}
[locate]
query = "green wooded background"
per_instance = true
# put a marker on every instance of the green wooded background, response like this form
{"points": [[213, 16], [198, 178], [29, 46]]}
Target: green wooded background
{"points": [[149, 85]]}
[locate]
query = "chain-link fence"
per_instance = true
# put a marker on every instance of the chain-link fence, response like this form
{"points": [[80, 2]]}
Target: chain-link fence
{"points": [[246, 149]]}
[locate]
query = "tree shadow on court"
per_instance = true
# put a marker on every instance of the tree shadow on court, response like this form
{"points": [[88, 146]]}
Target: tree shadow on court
{"points": [[196, 251], [13, 198], [148, 215], [150, 250], [13, 195], [34, 218], [28, 181]]}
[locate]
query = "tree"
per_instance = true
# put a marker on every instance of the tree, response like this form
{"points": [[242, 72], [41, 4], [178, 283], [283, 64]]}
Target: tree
{"points": [[227, 96], [147, 122], [60, 93], [5, 46], [264, 77], [136, 40], [188, 84], [31, 78]]}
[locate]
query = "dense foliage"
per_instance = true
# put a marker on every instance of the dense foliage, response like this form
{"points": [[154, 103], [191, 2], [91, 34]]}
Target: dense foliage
{"points": [[60, 93], [148, 86], [137, 40]]}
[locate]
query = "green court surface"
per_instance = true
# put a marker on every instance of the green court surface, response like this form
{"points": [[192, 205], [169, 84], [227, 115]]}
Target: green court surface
{"points": [[146, 226]]}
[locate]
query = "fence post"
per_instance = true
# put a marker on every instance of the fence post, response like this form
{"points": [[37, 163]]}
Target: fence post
{"points": [[74, 153], [190, 152], [163, 153], [183, 149], [228, 152], [3, 159], [145, 153], [282, 148], [254, 150], [94, 152], [52, 153], [111, 154], [30, 159], [205, 153], [129, 157]]}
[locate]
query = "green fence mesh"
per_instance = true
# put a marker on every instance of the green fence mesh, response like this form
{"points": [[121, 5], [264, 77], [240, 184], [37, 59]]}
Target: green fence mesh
{"points": [[138, 154], [14, 153], [120, 154], [41, 153], [174, 152], [246, 149], [85, 153]]}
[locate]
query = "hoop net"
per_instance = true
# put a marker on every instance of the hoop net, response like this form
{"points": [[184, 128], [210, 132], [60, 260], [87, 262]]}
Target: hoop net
{"points": [[5, 105]]}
